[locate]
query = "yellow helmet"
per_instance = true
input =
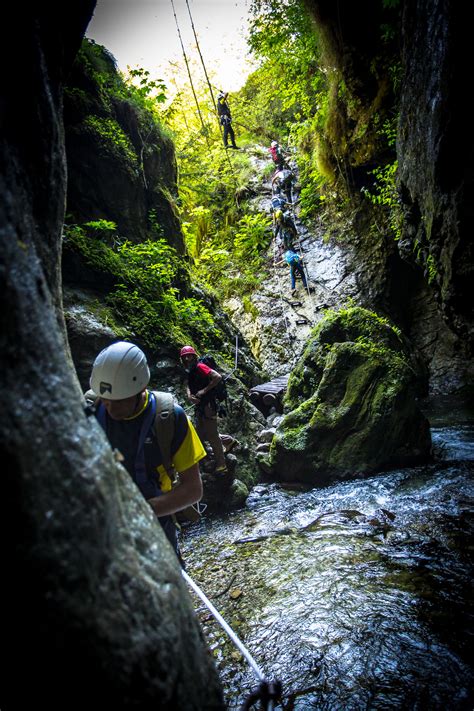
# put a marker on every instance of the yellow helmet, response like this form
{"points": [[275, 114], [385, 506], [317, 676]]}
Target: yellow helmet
{"points": [[278, 215]]}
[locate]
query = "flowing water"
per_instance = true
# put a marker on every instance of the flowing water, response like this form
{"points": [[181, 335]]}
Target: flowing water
{"points": [[355, 596]]}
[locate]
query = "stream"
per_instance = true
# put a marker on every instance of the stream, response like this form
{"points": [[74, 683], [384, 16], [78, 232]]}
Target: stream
{"points": [[355, 596]]}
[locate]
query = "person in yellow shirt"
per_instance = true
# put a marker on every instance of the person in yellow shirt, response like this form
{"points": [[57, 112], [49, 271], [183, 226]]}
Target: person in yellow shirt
{"points": [[126, 410]]}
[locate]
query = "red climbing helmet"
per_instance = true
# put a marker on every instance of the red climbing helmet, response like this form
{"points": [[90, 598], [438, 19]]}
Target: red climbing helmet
{"points": [[187, 350]]}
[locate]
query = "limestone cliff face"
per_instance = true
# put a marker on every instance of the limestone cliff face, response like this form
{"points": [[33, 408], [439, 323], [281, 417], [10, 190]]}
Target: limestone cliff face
{"points": [[436, 155], [121, 165], [94, 605], [423, 280]]}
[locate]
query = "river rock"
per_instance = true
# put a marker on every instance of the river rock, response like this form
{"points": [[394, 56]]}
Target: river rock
{"points": [[266, 435], [352, 404]]}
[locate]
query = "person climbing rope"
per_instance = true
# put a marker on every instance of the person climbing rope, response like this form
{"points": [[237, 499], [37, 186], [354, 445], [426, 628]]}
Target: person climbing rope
{"points": [[285, 228], [278, 155], [202, 380], [151, 435], [278, 202], [282, 182], [225, 118], [296, 269]]}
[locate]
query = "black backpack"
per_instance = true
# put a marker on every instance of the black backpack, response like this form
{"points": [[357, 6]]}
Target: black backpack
{"points": [[220, 391]]}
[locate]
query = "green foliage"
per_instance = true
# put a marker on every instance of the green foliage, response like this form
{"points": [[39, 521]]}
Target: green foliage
{"points": [[142, 86], [145, 297], [107, 90], [155, 226], [113, 139], [431, 268], [106, 230], [97, 254], [251, 236], [282, 90], [200, 229], [287, 96], [385, 194], [222, 232]]}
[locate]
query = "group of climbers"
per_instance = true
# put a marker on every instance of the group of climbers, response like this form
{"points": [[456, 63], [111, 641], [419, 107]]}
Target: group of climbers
{"points": [[285, 230], [154, 439], [282, 188]]}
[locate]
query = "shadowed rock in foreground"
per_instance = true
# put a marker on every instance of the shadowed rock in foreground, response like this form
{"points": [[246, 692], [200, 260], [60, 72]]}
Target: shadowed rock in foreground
{"points": [[94, 608]]}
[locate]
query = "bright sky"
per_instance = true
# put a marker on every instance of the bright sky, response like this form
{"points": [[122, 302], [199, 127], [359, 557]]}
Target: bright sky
{"points": [[143, 33]]}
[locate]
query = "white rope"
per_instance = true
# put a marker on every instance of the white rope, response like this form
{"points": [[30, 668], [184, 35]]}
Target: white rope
{"points": [[240, 646]]}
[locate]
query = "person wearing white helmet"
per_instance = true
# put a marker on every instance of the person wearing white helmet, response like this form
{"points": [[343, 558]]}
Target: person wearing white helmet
{"points": [[278, 156], [225, 117], [126, 410]]}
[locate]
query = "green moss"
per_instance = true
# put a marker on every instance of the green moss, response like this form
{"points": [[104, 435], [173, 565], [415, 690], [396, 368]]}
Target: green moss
{"points": [[249, 307], [145, 299], [376, 339], [113, 139]]}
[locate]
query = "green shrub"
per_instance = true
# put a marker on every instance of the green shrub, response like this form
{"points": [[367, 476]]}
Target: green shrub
{"points": [[145, 299]]}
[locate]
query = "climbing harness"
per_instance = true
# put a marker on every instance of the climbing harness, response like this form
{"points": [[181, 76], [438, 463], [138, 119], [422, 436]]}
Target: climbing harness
{"points": [[267, 692]]}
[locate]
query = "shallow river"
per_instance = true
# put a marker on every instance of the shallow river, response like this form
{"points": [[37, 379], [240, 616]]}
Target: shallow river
{"points": [[356, 596]]}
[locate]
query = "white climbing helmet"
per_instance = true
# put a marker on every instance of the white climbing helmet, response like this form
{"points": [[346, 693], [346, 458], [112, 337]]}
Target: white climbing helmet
{"points": [[273, 144], [119, 371]]}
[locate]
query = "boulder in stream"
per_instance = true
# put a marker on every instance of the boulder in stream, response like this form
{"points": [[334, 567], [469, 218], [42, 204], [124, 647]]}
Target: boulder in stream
{"points": [[352, 403]]}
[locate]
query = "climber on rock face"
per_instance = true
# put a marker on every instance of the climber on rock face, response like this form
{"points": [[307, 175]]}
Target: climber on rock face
{"points": [[278, 155], [282, 182], [285, 228], [225, 118], [202, 382], [296, 269]]}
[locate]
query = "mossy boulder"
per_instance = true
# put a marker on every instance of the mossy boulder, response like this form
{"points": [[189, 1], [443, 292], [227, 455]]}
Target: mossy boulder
{"points": [[352, 404]]}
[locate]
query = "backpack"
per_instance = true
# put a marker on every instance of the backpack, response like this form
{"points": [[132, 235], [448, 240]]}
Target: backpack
{"points": [[286, 177], [291, 257], [276, 153], [220, 391], [278, 203], [163, 425]]}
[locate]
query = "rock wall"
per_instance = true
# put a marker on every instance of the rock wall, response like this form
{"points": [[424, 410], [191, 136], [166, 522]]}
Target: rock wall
{"points": [[94, 608], [121, 165], [350, 404], [422, 281], [436, 152]]}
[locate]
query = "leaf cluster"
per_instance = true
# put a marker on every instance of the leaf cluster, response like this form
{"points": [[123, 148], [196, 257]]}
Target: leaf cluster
{"points": [[146, 297]]}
